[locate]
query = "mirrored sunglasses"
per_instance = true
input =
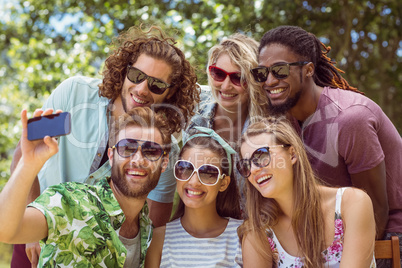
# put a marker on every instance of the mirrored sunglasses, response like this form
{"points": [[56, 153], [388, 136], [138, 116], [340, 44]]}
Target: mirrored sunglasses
{"points": [[279, 71], [219, 75], [207, 174], [260, 158], [150, 150], [155, 85]]}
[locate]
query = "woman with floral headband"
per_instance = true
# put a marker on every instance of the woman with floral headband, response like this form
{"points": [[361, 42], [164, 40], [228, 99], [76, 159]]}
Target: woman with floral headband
{"points": [[291, 219], [203, 232]]}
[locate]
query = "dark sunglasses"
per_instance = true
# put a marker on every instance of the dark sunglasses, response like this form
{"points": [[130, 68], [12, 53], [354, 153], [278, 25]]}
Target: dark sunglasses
{"points": [[155, 85], [220, 75], [207, 174], [150, 150], [260, 158], [279, 71]]}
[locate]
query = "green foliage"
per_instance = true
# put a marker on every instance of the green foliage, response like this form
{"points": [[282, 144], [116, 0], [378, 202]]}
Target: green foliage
{"points": [[44, 42]]}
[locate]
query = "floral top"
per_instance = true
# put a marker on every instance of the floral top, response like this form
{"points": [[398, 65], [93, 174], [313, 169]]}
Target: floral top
{"points": [[332, 255], [83, 226]]}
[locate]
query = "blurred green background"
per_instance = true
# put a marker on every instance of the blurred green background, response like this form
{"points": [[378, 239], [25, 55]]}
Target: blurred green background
{"points": [[44, 42]]}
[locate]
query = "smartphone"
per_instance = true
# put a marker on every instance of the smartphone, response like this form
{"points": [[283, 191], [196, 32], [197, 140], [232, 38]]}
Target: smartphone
{"points": [[52, 125]]}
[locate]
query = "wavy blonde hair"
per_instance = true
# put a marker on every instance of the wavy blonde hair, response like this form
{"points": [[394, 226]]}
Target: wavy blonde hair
{"points": [[242, 51], [307, 219]]}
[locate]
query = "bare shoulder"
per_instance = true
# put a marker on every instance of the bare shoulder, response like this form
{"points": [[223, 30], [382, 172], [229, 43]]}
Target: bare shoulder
{"points": [[353, 195]]}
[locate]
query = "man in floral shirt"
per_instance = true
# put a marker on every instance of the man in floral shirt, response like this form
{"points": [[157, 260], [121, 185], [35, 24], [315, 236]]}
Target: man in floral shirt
{"points": [[101, 225]]}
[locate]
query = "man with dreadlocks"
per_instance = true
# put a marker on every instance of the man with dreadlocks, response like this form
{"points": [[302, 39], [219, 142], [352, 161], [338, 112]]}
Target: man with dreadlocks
{"points": [[350, 141]]}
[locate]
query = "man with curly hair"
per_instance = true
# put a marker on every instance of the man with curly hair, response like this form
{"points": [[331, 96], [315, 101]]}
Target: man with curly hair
{"points": [[145, 69]]}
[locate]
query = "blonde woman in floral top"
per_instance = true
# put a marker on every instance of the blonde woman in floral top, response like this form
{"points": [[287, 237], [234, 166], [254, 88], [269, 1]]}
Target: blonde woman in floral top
{"points": [[293, 221]]}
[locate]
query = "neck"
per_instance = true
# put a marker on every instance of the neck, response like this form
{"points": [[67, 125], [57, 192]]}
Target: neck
{"points": [[131, 206], [229, 125], [307, 103], [203, 222], [117, 107]]}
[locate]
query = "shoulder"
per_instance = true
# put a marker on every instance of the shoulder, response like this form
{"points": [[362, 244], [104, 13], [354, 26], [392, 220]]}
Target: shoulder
{"points": [[348, 105], [352, 195]]}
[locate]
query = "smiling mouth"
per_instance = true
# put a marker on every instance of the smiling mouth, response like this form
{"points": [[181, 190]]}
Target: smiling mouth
{"points": [[264, 179], [276, 90], [226, 95], [137, 100], [197, 193], [136, 173]]}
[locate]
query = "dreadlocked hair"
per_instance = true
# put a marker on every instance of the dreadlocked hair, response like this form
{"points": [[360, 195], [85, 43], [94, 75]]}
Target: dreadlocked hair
{"points": [[311, 49]]}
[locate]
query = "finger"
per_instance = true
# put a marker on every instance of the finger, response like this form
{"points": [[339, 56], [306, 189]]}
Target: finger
{"points": [[58, 111], [34, 261], [24, 120], [52, 144], [47, 112], [37, 112]]}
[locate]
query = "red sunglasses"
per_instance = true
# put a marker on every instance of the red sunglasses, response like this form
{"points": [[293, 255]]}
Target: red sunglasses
{"points": [[220, 75]]}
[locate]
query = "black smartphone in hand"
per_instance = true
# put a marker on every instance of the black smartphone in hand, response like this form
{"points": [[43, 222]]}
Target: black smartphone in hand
{"points": [[52, 125]]}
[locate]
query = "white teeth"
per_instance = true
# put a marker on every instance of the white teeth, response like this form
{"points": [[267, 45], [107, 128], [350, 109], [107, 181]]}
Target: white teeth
{"points": [[228, 95], [194, 192], [138, 173], [264, 178], [138, 100], [276, 91]]}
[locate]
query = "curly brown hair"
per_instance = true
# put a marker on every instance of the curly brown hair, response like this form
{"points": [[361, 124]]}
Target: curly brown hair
{"points": [[128, 46]]}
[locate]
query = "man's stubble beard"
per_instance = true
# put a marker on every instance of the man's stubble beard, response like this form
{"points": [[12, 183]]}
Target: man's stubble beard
{"points": [[121, 183]]}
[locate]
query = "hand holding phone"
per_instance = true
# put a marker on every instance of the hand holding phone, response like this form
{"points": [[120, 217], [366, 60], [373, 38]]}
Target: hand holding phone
{"points": [[53, 125]]}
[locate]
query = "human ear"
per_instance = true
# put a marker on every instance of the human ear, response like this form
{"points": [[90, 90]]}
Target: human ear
{"points": [[224, 183], [110, 155], [165, 162], [293, 155], [310, 69]]}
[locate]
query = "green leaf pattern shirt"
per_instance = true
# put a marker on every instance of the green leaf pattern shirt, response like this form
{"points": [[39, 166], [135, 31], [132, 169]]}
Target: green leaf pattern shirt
{"points": [[84, 222]]}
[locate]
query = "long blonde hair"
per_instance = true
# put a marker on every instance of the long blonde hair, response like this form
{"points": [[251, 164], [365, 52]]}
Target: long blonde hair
{"points": [[262, 213], [242, 51]]}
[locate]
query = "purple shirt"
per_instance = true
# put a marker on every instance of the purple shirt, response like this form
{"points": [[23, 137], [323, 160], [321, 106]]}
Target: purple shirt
{"points": [[349, 133]]}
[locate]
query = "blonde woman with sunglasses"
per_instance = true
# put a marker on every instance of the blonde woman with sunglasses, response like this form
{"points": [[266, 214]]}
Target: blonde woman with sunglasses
{"points": [[203, 232], [235, 98], [293, 220]]}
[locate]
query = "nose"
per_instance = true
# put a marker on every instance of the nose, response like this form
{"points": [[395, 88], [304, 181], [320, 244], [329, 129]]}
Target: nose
{"points": [[138, 157], [226, 83], [142, 88], [271, 80], [194, 180]]}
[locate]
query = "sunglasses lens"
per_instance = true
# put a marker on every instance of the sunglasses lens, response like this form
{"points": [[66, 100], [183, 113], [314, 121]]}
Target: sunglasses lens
{"points": [[208, 174], [136, 76], [126, 147], [260, 74], [157, 86], [261, 157], [151, 150], [280, 71], [236, 79], [217, 74], [243, 166], [183, 170]]}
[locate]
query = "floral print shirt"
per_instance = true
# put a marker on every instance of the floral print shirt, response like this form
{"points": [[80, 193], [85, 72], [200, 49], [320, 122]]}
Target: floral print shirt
{"points": [[83, 226], [332, 255]]}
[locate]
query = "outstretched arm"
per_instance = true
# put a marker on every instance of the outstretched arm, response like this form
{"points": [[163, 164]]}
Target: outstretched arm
{"points": [[19, 224], [359, 236]]}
